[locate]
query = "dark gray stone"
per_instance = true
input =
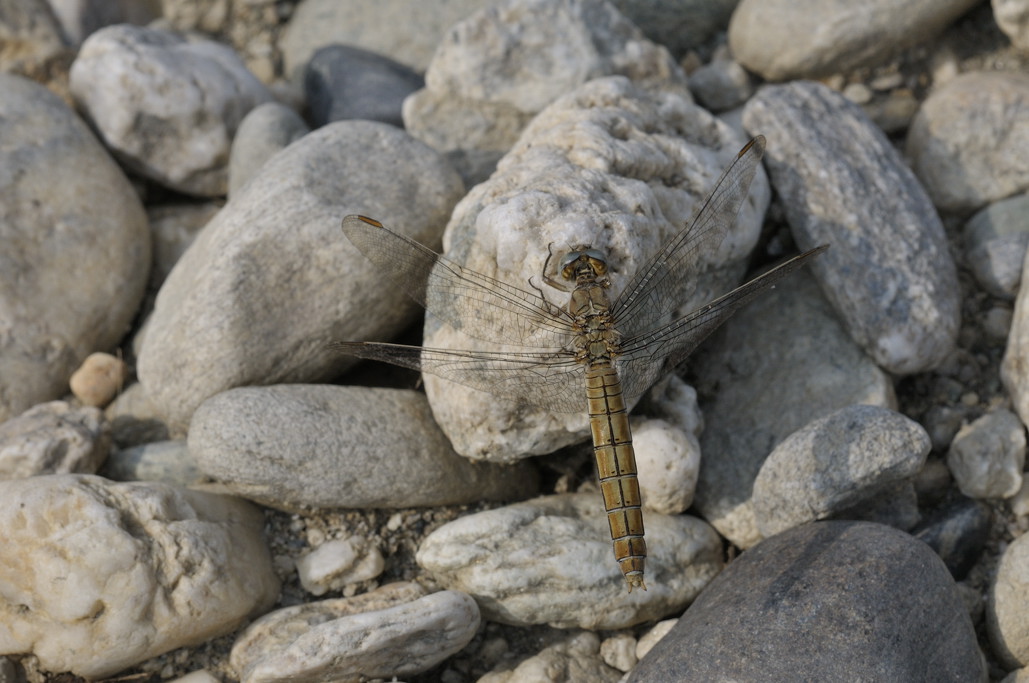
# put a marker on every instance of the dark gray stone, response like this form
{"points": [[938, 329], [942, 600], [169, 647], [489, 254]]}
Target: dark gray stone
{"points": [[829, 601], [343, 82], [958, 533]]}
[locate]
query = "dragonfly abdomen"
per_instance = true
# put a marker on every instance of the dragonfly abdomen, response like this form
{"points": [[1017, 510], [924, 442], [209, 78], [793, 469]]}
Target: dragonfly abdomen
{"points": [[616, 465]]}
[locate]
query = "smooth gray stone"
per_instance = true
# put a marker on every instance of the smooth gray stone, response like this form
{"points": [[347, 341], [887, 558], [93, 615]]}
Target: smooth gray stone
{"points": [[997, 238], [296, 446], [889, 272], [783, 40], [272, 280], [967, 142], [343, 82], [266, 130], [74, 246], [835, 463], [758, 378], [168, 462], [829, 601]]}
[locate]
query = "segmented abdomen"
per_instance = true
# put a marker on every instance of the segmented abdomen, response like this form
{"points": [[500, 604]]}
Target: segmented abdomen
{"points": [[616, 464]]}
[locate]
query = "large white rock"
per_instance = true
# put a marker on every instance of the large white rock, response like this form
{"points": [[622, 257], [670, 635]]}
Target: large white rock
{"points": [[549, 561], [97, 576], [610, 166], [166, 104]]}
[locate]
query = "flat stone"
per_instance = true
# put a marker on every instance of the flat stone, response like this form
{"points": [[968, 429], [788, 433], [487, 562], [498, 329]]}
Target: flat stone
{"points": [[76, 252], [783, 40], [121, 573], [54, 438], [549, 561], [952, 140], [167, 105], [751, 403], [300, 446], [835, 463], [306, 285], [573, 179], [829, 601], [395, 630], [889, 272]]}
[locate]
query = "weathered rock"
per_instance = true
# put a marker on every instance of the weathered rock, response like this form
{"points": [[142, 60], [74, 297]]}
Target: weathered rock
{"points": [[167, 105], [783, 40], [889, 272], [393, 631], [321, 446], [835, 463], [497, 68], [305, 284], [76, 251], [549, 561], [609, 166], [81, 18], [267, 129], [997, 238], [134, 420], [31, 37], [848, 600], [100, 576], [53, 438], [751, 403], [722, 84], [987, 456], [953, 140]]}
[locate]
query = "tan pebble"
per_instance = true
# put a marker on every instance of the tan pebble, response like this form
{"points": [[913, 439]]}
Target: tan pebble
{"points": [[99, 379]]}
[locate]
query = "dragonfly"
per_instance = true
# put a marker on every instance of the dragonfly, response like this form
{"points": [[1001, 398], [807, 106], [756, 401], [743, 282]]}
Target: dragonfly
{"points": [[595, 353]]}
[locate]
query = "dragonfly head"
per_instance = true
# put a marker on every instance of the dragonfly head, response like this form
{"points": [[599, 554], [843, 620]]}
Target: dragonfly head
{"points": [[591, 261]]}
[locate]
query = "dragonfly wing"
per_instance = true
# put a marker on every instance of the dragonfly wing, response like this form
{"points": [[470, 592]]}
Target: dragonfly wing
{"points": [[670, 277], [471, 302], [648, 357], [553, 381]]}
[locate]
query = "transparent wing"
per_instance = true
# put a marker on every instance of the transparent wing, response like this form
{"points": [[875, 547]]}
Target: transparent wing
{"points": [[471, 302], [647, 357], [670, 277], [552, 381]]}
